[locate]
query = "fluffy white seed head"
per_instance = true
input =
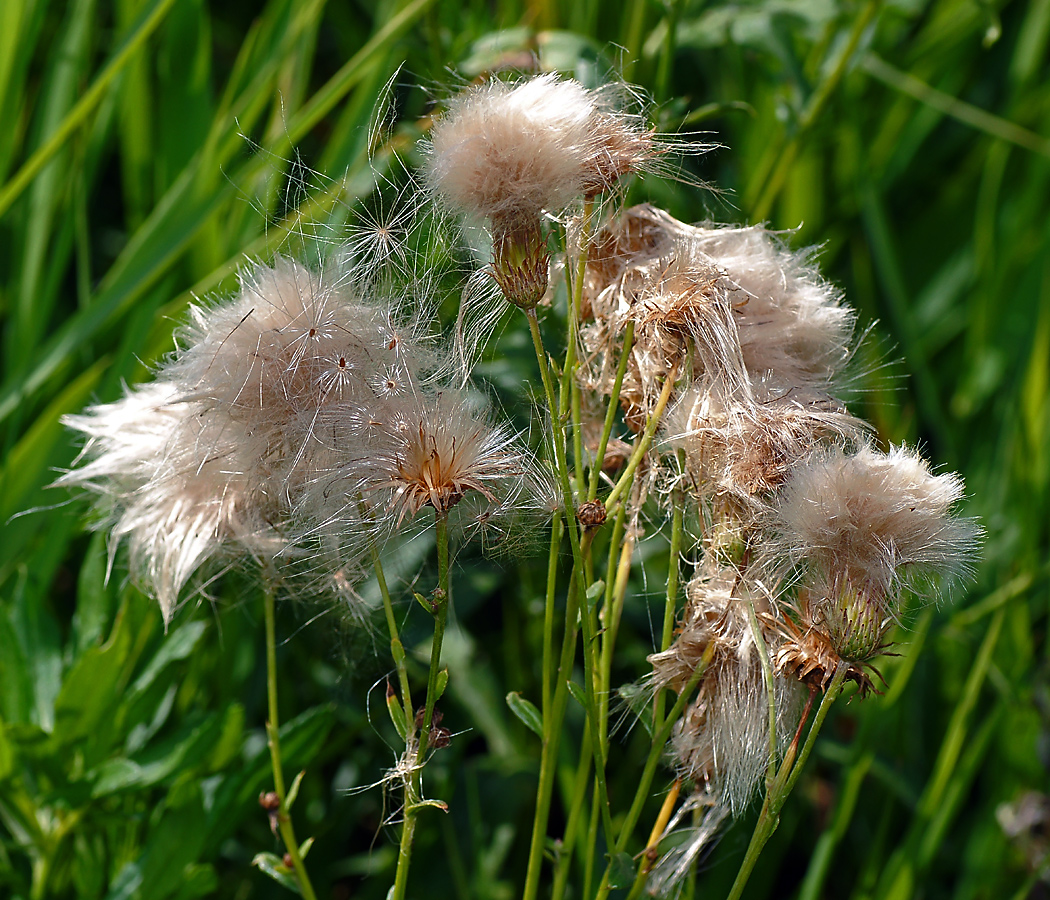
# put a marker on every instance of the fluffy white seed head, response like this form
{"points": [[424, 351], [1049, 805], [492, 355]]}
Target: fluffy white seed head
{"points": [[876, 519], [760, 324], [421, 449], [861, 529], [509, 151], [738, 455], [213, 458], [721, 744], [181, 484], [794, 329]]}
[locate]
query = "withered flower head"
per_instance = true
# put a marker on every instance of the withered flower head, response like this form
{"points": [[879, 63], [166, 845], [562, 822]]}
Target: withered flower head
{"points": [[440, 451], [507, 150], [863, 528], [510, 152], [211, 458]]}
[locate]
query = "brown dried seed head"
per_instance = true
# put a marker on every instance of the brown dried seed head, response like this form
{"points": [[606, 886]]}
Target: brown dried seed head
{"points": [[591, 514]]}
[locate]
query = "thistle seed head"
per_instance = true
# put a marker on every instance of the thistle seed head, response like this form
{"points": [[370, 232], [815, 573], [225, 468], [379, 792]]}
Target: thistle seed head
{"points": [[509, 151]]}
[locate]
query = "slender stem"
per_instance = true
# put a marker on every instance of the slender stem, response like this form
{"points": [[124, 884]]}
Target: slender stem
{"points": [[579, 794], [613, 614], [569, 381], [771, 699], [552, 724], [591, 675], [667, 52], [397, 650], [548, 615], [786, 778], [643, 445], [592, 844], [414, 784], [655, 752], [441, 596], [610, 413], [404, 850], [671, 599], [551, 737], [284, 820], [649, 855]]}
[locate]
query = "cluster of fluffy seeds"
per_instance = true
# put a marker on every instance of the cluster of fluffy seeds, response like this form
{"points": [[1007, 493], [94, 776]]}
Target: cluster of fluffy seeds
{"points": [[296, 420], [301, 419], [509, 153], [804, 522]]}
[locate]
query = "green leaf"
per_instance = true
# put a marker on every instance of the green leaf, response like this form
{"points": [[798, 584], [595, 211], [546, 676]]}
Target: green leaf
{"points": [[89, 690], [578, 694], [37, 640], [88, 867], [293, 791], [95, 600], [197, 881], [440, 684], [595, 591], [231, 739], [273, 865], [397, 650], [301, 739], [16, 682], [147, 22], [188, 750], [621, 871], [526, 712], [176, 840], [430, 804], [179, 644], [396, 712], [7, 753]]}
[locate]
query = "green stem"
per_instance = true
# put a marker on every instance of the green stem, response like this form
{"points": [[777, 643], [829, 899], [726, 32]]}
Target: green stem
{"points": [[441, 596], [667, 51], [580, 551], [397, 650], [769, 817], [284, 821], [404, 850], [548, 614], [569, 383], [771, 700], [551, 737], [579, 794], [616, 593], [414, 784], [610, 413], [643, 445], [671, 599], [655, 753]]}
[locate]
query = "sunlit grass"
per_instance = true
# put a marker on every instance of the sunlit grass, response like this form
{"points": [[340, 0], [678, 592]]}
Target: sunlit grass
{"points": [[148, 149]]}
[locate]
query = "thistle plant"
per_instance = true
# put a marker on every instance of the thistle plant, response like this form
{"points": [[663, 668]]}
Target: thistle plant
{"points": [[310, 424]]}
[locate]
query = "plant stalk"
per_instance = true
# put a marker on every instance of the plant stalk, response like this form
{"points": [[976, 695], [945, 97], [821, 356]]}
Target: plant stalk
{"points": [[284, 820]]}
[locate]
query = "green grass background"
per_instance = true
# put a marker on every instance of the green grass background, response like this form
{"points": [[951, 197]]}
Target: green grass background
{"points": [[147, 149]]}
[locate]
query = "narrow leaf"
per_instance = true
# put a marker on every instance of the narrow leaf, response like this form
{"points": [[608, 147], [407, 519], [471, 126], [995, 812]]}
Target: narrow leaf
{"points": [[526, 712]]}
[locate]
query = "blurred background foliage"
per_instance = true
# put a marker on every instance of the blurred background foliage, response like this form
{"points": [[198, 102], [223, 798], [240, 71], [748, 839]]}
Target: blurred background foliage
{"points": [[148, 148]]}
